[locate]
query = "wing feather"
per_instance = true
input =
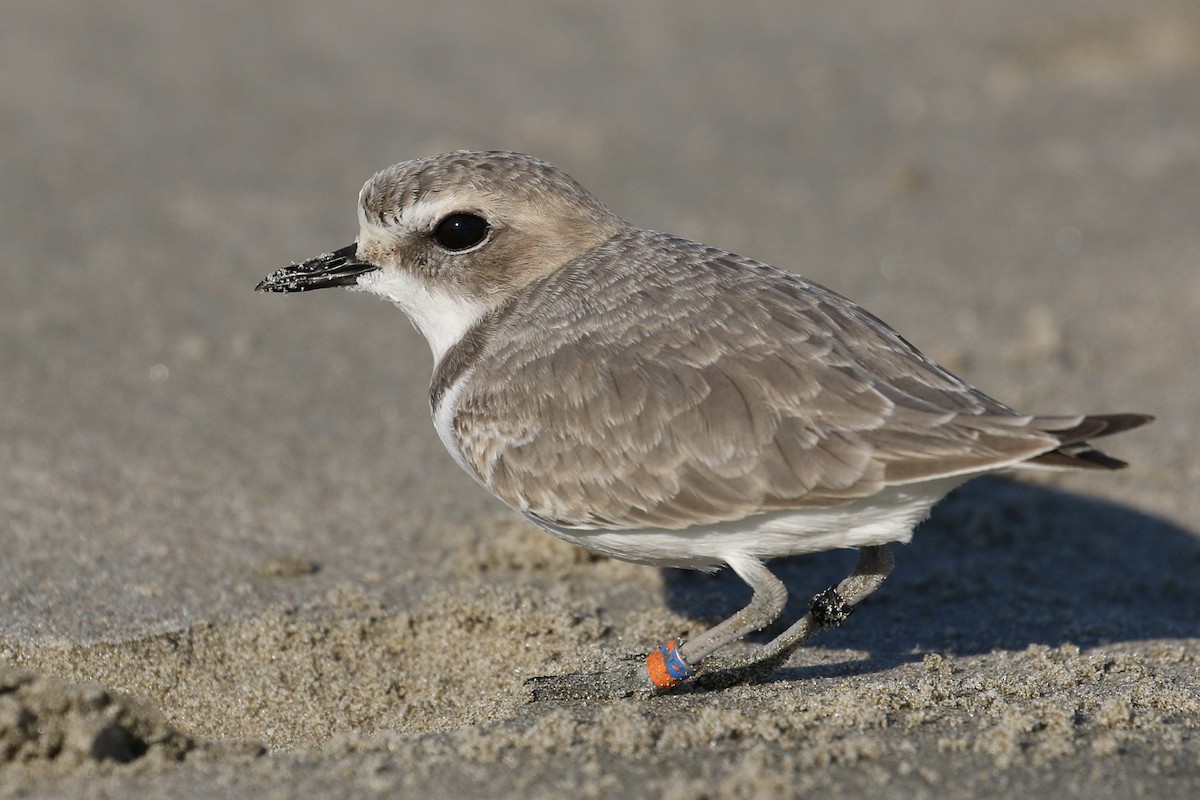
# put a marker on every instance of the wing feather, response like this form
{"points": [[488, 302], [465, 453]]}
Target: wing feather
{"points": [[655, 382]]}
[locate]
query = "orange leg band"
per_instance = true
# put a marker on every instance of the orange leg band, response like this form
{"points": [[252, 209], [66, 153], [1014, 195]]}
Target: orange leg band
{"points": [[666, 667]]}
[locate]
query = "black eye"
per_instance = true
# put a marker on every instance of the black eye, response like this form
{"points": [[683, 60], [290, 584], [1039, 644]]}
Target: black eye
{"points": [[461, 231]]}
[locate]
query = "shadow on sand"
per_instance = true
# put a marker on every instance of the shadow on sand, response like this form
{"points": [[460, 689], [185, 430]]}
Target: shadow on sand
{"points": [[999, 565]]}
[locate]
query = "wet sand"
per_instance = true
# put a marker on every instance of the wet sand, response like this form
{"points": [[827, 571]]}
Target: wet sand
{"points": [[237, 561]]}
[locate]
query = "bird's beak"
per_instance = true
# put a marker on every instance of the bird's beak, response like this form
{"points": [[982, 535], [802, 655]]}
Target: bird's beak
{"points": [[339, 268]]}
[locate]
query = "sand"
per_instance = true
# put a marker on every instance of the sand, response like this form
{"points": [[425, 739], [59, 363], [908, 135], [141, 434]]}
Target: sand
{"points": [[237, 562]]}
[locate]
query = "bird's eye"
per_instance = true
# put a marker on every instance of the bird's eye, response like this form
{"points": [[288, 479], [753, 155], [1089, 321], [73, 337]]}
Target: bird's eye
{"points": [[461, 231]]}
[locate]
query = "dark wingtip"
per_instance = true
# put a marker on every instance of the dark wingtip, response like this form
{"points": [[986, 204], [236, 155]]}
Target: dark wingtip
{"points": [[1076, 457], [1119, 423], [1076, 453], [1093, 426]]}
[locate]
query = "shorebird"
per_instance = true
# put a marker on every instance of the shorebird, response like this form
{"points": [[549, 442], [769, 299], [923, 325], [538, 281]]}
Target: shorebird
{"points": [[664, 402]]}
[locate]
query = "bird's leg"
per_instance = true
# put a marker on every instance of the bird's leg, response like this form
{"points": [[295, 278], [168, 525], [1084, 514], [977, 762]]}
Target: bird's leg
{"points": [[828, 609], [675, 661]]}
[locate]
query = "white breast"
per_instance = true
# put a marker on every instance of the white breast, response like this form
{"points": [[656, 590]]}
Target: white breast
{"points": [[443, 422]]}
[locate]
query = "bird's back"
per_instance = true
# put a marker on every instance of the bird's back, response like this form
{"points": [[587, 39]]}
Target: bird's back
{"points": [[657, 382]]}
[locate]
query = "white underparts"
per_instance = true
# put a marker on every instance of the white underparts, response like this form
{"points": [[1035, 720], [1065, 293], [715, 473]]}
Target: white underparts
{"points": [[888, 516], [443, 422]]}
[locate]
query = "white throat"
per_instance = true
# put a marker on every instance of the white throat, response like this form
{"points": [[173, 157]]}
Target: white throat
{"points": [[440, 316]]}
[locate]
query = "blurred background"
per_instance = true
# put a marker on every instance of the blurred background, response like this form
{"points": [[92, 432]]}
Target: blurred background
{"points": [[1014, 186]]}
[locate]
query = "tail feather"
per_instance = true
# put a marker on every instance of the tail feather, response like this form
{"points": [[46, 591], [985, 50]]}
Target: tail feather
{"points": [[1075, 452]]}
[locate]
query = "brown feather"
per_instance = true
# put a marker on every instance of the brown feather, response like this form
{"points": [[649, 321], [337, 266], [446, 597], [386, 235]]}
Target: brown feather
{"points": [[733, 387]]}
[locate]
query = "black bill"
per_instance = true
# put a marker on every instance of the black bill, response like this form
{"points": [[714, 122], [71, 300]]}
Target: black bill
{"points": [[338, 268]]}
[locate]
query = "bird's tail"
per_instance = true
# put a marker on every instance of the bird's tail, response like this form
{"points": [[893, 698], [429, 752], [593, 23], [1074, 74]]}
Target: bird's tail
{"points": [[1073, 432]]}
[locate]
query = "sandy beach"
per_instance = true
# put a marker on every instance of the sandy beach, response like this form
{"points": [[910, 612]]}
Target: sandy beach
{"points": [[236, 561]]}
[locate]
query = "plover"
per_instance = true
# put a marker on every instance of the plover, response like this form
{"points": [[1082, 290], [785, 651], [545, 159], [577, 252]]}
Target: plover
{"points": [[664, 402]]}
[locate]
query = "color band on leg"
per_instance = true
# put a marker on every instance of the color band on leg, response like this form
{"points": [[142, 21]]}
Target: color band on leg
{"points": [[666, 666]]}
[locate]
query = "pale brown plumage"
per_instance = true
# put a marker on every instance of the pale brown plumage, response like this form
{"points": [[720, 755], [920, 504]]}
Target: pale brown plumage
{"points": [[656, 382], [670, 403]]}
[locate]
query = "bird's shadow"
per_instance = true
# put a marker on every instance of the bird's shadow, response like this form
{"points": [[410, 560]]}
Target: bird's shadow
{"points": [[999, 565]]}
